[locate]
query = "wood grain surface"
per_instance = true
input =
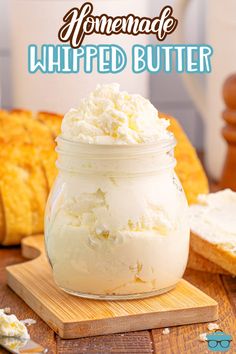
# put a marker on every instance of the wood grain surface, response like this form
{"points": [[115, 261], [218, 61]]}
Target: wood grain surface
{"points": [[73, 317], [228, 178], [182, 339]]}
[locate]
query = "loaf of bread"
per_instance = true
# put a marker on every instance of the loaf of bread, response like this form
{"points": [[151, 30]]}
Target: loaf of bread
{"points": [[189, 168], [27, 170]]}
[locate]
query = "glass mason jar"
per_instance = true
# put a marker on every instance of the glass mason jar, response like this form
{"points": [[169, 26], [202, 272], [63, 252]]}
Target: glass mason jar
{"points": [[116, 224]]}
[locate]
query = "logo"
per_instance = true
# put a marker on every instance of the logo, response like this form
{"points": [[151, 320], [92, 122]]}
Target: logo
{"points": [[80, 22], [219, 341]]}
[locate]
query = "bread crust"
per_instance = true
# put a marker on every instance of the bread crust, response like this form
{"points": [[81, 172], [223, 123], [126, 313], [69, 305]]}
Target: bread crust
{"points": [[16, 196], [188, 168], [2, 219], [219, 254], [198, 262], [25, 178], [52, 121]]}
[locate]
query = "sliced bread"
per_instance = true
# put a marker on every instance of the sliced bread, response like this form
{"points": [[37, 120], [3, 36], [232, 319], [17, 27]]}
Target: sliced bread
{"points": [[213, 228]]}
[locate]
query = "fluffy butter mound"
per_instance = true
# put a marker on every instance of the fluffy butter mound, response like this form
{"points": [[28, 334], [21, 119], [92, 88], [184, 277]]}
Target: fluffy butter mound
{"points": [[10, 326], [111, 116]]}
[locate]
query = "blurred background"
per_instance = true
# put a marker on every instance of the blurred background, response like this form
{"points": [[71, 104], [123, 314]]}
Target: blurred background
{"points": [[197, 105], [167, 91]]}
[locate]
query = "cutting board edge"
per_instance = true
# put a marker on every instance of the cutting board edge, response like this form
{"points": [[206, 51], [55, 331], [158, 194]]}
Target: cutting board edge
{"points": [[26, 296], [126, 323], [153, 320], [32, 247]]}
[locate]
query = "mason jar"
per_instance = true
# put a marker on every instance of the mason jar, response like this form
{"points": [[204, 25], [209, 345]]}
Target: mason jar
{"points": [[116, 224]]}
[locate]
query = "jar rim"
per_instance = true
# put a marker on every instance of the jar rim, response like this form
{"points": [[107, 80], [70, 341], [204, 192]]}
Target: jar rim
{"points": [[72, 147]]}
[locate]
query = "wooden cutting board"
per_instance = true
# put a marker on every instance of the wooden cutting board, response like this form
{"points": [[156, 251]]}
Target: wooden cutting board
{"points": [[73, 317]]}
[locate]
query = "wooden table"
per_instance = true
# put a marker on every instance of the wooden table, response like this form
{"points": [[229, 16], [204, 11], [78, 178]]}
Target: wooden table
{"points": [[182, 339]]}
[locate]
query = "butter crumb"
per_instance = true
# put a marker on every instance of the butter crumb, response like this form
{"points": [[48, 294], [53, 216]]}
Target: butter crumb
{"points": [[28, 321], [203, 337], [166, 331], [7, 310], [10, 326], [212, 326]]}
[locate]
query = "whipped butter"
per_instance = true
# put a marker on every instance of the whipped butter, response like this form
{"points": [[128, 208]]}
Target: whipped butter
{"points": [[111, 116], [214, 218], [117, 217], [10, 326]]}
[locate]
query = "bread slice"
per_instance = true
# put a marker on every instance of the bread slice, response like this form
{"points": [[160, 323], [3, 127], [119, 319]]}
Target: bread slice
{"points": [[22, 113], [222, 254], [3, 112], [213, 228], [52, 121], [49, 158], [24, 179], [27, 159], [189, 168], [12, 129], [198, 262], [39, 134], [16, 201], [31, 159], [2, 220]]}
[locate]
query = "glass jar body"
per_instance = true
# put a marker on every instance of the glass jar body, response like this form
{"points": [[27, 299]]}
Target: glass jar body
{"points": [[117, 236]]}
